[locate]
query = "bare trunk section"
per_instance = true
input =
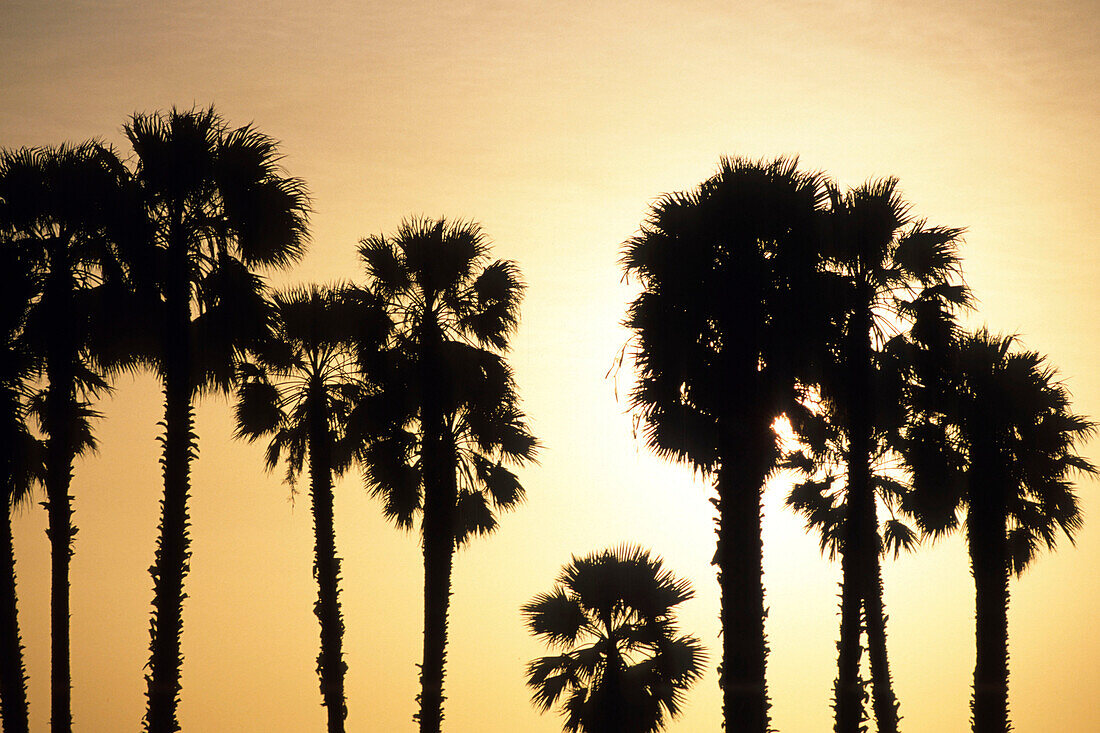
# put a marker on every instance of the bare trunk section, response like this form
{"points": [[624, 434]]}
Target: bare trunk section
{"points": [[326, 565], [848, 689], [989, 563], [60, 414], [13, 675], [740, 560], [173, 545], [885, 702], [440, 496]]}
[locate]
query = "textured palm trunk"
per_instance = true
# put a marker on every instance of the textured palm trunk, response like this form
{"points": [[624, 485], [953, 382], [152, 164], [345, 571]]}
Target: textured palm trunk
{"points": [[855, 549], [438, 562], [13, 675], [60, 414], [326, 565], [740, 560], [173, 545], [848, 689], [989, 563], [440, 496], [885, 702]]}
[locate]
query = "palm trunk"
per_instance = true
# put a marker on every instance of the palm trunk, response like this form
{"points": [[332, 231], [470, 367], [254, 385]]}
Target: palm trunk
{"points": [[13, 675], [885, 703], [860, 507], [740, 560], [173, 546], [848, 689], [440, 496], [326, 565], [438, 561], [60, 414], [989, 564]]}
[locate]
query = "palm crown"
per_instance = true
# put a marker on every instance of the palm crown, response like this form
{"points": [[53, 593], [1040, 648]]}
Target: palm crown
{"points": [[219, 207], [324, 347], [448, 303], [1000, 430], [624, 666]]}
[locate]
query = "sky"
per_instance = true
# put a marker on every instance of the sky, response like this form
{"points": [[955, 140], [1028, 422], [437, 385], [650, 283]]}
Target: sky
{"points": [[556, 125]]}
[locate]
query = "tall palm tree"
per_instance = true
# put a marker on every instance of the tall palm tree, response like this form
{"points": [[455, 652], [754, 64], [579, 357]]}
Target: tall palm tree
{"points": [[726, 331], [887, 269], [623, 666], [219, 206], [68, 210], [452, 406], [998, 438], [303, 398], [22, 465]]}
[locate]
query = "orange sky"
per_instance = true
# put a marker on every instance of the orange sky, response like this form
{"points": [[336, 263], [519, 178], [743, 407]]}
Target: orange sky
{"points": [[555, 125]]}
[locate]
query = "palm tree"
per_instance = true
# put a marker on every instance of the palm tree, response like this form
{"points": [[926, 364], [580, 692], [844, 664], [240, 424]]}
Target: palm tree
{"points": [[725, 333], [68, 211], [822, 498], [623, 666], [303, 399], [21, 466], [887, 269], [997, 437], [219, 206], [451, 406]]}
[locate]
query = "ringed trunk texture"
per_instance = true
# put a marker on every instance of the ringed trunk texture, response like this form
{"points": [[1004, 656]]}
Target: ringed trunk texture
{"points": [[326, 565], [60, 414], [173, 545], [13, 675], [740, 560], [989, 564]]}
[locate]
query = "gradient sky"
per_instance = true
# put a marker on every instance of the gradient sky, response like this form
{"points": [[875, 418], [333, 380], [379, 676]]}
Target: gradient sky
{"points": [[556, 125]]}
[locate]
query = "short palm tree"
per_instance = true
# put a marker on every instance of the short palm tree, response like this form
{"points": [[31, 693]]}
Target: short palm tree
{"points": [[219, 206], [727, 329], [886, 269], [623, 666], [448, 424], [302, 398], [67, 210], [998, 438]]}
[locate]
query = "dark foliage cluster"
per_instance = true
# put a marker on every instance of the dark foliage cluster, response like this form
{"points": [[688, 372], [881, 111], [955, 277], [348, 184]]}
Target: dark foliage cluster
{"points": [[766, 292]]}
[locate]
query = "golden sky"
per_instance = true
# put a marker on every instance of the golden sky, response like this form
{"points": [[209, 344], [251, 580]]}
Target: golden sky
{"points": [[556, 124]]}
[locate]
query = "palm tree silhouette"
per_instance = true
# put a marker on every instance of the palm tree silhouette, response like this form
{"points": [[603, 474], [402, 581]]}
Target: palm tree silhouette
{"points": [[886, 271], [22, 465], [303, 398], [65, 211], [451, 406], [219, 206], [998, 437], [623, 666], [725, 330]]}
